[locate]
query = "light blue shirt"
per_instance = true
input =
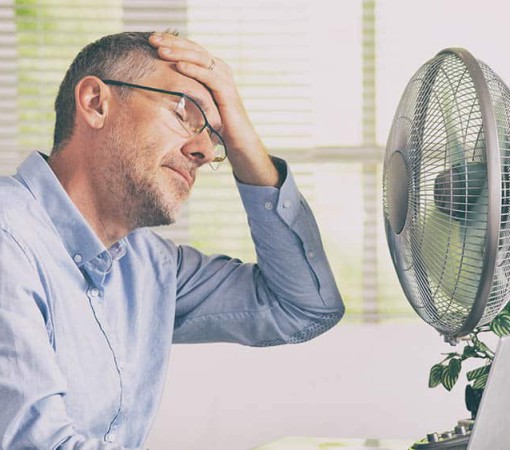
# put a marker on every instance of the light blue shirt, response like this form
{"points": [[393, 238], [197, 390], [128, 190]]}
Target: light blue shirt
{"points": [[85, 331]]}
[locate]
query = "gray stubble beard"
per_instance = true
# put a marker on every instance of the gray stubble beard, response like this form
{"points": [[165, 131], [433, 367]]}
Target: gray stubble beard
{"points": [[141, 198]]}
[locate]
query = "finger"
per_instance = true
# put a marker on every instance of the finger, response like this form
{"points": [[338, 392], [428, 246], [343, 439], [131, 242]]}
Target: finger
{"points": [[161, 39], [170, 40], [173, 48], [219, 80], [200, 58], [198, 72]]}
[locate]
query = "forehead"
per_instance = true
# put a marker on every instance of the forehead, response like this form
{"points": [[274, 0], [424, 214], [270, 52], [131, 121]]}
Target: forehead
{"points": [[166, 77]]}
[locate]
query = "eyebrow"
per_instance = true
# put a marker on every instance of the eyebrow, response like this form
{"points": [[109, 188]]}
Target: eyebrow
{"points": [[198, 100]]}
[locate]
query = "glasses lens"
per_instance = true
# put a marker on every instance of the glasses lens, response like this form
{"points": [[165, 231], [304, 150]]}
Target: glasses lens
{"points": [[193, 119], [219, 146], [220, 152], [190, 115]]}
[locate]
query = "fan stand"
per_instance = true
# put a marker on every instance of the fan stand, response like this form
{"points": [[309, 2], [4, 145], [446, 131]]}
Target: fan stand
{"points": [[492, 425]]}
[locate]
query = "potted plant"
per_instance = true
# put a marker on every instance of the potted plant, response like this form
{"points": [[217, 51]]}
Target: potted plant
{"points": [[446, 373]]}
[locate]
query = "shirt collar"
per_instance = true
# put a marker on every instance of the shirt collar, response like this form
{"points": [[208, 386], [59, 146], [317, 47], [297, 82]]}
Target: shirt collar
{"points": [[77, 235]]}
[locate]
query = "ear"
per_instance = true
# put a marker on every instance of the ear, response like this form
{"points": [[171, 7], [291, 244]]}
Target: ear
{"points": [[92, 101]]}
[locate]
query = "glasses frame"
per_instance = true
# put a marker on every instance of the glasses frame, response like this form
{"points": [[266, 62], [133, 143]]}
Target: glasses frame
{"points": [[216, 159]]}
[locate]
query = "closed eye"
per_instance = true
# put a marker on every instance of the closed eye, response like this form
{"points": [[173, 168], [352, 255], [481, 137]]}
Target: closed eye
{"points": [[180, 110]]}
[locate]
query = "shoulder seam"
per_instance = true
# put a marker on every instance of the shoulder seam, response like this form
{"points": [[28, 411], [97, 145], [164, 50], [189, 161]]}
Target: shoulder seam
{"points": [[19, 244]]}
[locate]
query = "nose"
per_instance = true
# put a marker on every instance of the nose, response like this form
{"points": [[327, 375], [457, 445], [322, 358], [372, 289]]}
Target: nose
{"points": [[200, 149]]}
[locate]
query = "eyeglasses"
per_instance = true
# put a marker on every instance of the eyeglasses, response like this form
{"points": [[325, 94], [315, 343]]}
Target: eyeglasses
{"points": [[189, 115]]}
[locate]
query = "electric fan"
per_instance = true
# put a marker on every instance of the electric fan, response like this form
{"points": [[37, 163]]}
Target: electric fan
{"points": [[446, 193]]}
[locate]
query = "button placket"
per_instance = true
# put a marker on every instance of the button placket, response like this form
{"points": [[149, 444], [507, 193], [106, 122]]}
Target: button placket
{"points": [[111, 438]]}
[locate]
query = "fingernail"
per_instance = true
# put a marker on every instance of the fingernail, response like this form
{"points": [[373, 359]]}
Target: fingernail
{"points": [[157, 37], [166, 51]]}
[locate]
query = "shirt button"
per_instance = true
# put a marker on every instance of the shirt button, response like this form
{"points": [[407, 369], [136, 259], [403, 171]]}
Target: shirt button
{"points": [[111, 438], [310, 254], [94, 292], [287, 204], [78, 258], [268, 205]]}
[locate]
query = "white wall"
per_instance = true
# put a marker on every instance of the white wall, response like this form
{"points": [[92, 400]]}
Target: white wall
{"points": [[358, 380]]}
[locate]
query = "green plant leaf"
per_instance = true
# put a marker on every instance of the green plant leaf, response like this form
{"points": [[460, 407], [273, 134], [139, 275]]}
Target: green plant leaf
{"points": [[501, 324], [477, 373], [482, 348], [469, 352], [435, 375], [451, 374], [480, 382]]}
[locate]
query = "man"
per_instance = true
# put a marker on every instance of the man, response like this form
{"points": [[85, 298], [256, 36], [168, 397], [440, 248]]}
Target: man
{"points": [[90, 299]]}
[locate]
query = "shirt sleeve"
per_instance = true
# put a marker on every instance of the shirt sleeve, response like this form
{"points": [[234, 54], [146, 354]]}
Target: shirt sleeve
{"points": [[32, 413], [288, 296]]}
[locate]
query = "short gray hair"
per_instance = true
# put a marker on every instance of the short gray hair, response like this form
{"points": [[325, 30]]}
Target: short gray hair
{"points": [[124, 56]]}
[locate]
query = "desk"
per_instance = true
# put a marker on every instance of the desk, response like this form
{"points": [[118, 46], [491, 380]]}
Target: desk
{"points": [[310, 443]]}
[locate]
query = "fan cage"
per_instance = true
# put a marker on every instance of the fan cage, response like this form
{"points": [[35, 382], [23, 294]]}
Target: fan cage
{"points": [[452, 128]]}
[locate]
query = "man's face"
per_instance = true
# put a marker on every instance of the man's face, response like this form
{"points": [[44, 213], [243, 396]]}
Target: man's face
{"points": [[150, 166]]}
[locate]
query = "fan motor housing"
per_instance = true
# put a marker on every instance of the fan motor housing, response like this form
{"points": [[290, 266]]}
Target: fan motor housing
{"points": [[458, 188]]}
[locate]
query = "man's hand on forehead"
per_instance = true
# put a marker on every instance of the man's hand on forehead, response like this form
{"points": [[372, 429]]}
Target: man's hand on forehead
{"points": [[247, 154], [194, 61]]}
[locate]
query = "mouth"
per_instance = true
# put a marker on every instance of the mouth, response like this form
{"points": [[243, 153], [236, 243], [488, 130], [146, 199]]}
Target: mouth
{"points": [[188, 177]]}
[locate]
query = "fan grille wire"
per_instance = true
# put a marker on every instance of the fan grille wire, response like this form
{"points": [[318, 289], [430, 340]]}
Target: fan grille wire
{"points": [[440, 253], [500, 289]]}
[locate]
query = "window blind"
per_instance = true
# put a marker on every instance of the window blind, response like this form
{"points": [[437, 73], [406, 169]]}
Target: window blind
{"points": [[154, 15], [308, 81], [49, 34]]}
